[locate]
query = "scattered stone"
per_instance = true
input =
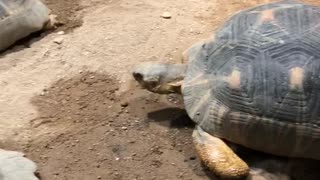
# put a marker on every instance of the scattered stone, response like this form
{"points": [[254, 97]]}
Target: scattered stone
{"points": [[124, 104], [124, 128], [180, 175], [61, 33], [58, 40], [166, 15]]}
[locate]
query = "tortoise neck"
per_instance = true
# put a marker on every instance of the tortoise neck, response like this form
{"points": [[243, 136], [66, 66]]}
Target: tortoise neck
{"points": [[174, 77], [176, 71]]}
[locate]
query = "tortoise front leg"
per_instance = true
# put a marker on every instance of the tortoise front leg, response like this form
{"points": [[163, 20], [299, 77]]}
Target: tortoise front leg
{"points": [[218, 156]]}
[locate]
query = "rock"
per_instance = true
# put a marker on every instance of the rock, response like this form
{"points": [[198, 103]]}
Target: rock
{"points": [[124, 104], [166, 15], [61, 33], [58, 40]]}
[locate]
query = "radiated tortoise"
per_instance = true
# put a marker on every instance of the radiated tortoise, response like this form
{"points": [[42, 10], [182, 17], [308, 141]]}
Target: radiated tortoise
{"points": [[255, 83]]}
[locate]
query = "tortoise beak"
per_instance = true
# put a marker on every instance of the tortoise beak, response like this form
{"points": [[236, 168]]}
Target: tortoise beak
{"points": [[137, 76]]}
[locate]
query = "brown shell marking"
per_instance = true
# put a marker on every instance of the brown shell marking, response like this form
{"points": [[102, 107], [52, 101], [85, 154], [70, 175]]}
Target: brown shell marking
{"points": [[234, 79], [296, 78], [267, 16]]}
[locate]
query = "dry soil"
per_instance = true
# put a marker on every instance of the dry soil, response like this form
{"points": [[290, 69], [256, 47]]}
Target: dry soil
{"points": [[74, 109]]}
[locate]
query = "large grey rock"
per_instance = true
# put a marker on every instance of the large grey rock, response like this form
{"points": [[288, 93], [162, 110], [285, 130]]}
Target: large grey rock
{"points": [[14, 166]]}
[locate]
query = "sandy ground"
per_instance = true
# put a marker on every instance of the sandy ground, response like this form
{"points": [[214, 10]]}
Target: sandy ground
{"points": [[74, 109]]}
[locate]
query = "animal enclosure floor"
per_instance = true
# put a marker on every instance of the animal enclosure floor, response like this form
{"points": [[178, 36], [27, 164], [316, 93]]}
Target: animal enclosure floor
{"points": [[73, 108]]}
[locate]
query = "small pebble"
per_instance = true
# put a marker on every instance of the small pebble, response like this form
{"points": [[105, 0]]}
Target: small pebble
{"points": [[60, 32], [58, 40], [124, 104], [166, 15]]}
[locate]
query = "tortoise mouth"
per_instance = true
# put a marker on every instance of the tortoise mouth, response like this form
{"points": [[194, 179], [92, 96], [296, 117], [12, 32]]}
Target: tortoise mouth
{"points": [[149, 84]]}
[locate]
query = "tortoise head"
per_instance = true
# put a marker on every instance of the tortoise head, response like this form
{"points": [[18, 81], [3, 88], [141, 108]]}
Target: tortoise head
{"points": [[160, 77]]}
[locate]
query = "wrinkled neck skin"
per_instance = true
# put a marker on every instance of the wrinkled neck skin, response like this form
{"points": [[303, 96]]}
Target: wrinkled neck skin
{"points": [[160, 78], [172, 81]]}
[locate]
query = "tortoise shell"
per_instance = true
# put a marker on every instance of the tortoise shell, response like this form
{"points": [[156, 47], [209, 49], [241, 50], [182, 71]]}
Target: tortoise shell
{"points": [[14, 166], [257, 82], [19, 18]]}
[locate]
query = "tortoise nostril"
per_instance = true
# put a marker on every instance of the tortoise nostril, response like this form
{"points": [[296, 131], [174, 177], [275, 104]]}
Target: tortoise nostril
{"points": [[137, 76]]}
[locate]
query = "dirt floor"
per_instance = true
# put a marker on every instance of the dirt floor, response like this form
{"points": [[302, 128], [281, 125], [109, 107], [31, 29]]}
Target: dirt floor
{"points": [[74, 109]]}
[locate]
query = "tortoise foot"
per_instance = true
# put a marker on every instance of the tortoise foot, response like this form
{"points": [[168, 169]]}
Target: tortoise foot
{"points": [[218, 156]]}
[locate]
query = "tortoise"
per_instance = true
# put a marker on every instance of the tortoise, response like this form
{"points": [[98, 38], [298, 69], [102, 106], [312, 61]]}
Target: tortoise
{"points": [[14, 166], [254, 83], [19, 18]]}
